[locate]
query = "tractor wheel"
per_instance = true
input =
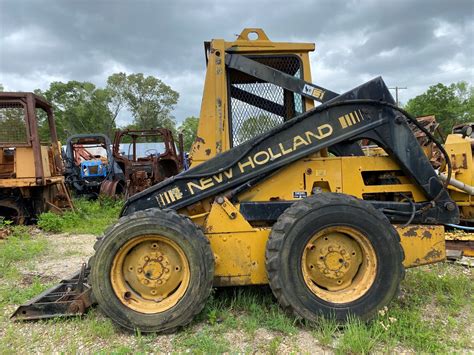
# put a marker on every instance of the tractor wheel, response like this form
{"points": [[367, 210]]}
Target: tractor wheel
{"points": [[334, 255], [152, 271]]}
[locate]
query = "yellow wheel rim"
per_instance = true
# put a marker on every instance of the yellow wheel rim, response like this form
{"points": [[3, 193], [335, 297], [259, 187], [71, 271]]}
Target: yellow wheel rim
{"points": [[150, 274], [339, 264]]}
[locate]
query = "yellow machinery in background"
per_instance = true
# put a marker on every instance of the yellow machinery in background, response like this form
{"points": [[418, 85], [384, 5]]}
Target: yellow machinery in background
{"points": [[459, 146], [31, 180], [279, 192]]}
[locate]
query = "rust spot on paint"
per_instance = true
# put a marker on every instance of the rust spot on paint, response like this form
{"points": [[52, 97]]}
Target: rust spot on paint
{"points": [[432, 254], [410, 232], [426, 235], [200, 140], [208, 151]]}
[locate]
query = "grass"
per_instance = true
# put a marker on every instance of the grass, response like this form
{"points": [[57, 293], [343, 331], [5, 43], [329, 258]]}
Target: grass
{"points": [[19, 250], [434, 313], [247, 319], [89, 217], [324, 330], [359, 337]]}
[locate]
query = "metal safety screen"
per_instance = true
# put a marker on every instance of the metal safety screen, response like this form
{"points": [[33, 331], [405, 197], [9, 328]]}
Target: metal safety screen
{"points": [[256, 105], [13, 127]]}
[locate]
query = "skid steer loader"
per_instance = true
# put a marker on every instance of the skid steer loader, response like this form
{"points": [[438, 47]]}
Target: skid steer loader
{"points": [[280, 193]]}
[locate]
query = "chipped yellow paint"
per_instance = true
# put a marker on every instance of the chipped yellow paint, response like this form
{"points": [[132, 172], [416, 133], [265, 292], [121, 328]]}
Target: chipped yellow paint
{"points": [[422, 244]]}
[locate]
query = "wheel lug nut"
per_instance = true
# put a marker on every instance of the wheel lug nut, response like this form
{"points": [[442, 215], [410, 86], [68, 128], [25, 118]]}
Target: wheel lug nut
{"points": [[160, 258], [160, 282], [147, 258], [140, 270], [167, 270], [146, 282], [331, 249]]}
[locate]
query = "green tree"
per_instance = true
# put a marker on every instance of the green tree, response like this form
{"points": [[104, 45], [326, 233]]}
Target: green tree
{"points": [[1, 87], [116, 88], [80, 107], [189, 129], [149, 99], [451, 104], [253, 126]]}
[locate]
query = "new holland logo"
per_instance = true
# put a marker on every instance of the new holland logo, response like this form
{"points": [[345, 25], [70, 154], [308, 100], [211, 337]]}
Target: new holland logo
{"points": [[351, 119]]}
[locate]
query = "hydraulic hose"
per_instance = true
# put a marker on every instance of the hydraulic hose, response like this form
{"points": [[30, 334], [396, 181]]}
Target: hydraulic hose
{"points": [[466, 228]]}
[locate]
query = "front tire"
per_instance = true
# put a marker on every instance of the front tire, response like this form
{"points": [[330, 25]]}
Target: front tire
{"points": [[334, 255], [152, 271]]}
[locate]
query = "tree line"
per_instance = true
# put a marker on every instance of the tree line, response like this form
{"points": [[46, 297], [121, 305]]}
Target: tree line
{"points": [[82, 107]]}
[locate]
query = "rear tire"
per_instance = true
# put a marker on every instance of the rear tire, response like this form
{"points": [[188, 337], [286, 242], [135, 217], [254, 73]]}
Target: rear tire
{"points": [[152, 271], [334, 255]]}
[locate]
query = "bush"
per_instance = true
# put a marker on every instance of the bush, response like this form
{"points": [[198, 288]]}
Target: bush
{"points": [[89, 217], [51, 222]]}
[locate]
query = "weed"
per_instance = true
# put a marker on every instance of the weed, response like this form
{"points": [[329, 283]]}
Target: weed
{"points": [[144, 342], [359, 337], [212, 316], [99, 327], [5, 223], [274, 344], [89, 217], [325, 330], [279, 321]]}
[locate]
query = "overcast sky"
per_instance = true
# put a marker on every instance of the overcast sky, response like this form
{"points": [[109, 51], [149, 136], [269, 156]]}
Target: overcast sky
{"points": [[410, 43]]}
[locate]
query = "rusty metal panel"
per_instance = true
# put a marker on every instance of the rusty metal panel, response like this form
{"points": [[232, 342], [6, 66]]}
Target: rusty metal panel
{"points": [[142, 172], [422, 244], [24, 163], [45, 160]]}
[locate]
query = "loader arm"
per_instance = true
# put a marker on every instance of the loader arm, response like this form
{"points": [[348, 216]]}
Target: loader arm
{"points": [[364, 112], [271, 75]]}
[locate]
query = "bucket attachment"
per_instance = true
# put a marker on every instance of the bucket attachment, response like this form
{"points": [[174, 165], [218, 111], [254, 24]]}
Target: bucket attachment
{"points": [[71, 297]]}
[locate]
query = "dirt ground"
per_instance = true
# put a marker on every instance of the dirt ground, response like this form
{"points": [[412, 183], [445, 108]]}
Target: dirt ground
{"points": [[67, 254]]}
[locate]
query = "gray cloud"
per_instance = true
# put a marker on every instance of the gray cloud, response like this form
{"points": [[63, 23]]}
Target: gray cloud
{"points": [[413, 44]]}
